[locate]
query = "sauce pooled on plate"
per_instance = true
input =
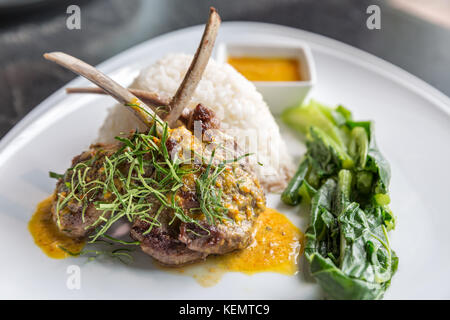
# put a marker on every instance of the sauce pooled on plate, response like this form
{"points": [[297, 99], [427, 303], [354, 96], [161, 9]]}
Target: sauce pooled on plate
{"points": [[276, 247], [47, 236]]}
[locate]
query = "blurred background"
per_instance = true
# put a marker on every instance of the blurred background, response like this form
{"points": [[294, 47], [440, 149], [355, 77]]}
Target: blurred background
{"points": [[414, 35]]}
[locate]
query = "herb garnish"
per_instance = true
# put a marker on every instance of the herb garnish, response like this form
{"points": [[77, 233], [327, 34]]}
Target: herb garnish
{"points": [[55, 175]]}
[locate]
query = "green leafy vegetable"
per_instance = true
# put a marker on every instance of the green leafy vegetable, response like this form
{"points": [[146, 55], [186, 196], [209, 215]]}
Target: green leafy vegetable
{"points": [[315, 114], [326, 156], [359, 145], [346, 179]]}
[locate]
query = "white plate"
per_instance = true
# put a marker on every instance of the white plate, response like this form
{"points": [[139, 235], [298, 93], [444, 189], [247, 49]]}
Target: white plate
{"points": [[413, 130]]}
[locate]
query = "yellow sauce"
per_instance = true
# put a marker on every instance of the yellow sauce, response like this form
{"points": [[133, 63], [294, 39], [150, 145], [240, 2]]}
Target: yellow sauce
{"points": [[276, 247], [267, 69], [47, 236]]}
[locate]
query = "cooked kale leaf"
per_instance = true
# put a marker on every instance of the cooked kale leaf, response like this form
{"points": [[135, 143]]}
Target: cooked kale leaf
{"points": [[347, 181]]}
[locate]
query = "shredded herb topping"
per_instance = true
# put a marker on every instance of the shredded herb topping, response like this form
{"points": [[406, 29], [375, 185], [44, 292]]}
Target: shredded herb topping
{"points": [[140, 170]]}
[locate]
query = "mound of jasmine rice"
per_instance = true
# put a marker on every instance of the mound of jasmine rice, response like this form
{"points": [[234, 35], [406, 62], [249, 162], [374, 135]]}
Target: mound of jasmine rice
{"points": [[242, 112]]}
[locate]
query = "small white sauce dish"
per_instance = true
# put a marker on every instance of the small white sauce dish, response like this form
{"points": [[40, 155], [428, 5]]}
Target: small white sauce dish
{"points": [[279, 95]]}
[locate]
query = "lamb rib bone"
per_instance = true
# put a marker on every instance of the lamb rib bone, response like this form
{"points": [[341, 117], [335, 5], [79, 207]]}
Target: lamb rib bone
{"points": [[193, 75], [150, 98], [121, 94]]}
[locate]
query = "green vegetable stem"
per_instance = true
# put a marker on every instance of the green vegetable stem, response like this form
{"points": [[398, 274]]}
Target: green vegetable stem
{"points": [[291, 195]]}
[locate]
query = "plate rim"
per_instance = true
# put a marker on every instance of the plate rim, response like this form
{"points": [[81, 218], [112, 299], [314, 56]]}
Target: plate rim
{"points": [[332, 46]]}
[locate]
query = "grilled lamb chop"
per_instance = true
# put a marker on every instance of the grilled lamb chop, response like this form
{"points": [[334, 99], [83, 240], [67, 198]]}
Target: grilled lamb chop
{"points": [[212, 210], [173, 241]]}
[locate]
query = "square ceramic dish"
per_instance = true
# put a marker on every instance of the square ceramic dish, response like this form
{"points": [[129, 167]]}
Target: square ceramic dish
{"points": [[278, 94]]}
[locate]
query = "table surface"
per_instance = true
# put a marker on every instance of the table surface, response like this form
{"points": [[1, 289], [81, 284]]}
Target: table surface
{"points": [[111, 26]]}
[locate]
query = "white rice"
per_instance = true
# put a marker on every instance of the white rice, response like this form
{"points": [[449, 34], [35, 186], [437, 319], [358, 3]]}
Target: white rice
{"points": [[237, 104]]}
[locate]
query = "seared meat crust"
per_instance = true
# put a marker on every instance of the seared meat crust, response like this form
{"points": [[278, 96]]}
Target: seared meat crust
{"points": [[216, 239], [205, 117], [162, 244]]}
